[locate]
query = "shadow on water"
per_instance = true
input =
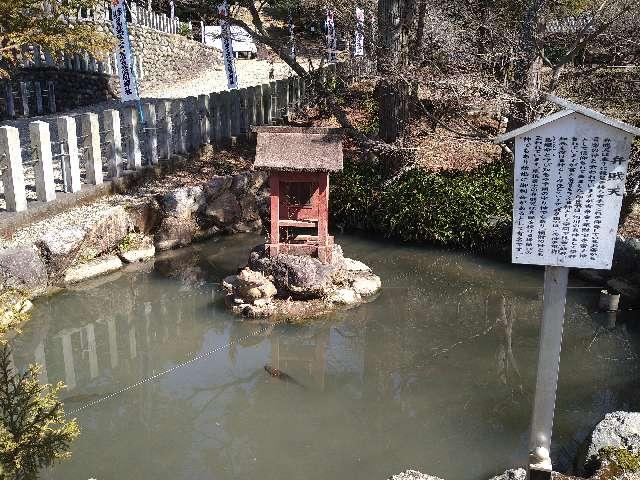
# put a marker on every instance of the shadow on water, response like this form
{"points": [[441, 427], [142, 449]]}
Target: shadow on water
{"points": [[436, 374]]}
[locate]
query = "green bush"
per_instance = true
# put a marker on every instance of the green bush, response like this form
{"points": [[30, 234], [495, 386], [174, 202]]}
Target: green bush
{"points": [[447, 208], [621, 460]]}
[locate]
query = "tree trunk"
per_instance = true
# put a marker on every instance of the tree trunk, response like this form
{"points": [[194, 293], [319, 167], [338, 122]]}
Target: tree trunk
{"points": [[528, 65], [422, 14], [392, 111]]}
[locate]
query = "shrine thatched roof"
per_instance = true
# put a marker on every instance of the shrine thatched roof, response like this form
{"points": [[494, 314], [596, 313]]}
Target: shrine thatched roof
{"points": [[299, 149]]}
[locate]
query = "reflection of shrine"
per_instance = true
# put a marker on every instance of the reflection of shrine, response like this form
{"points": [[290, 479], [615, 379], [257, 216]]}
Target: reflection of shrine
{"points": [[302, 356]]}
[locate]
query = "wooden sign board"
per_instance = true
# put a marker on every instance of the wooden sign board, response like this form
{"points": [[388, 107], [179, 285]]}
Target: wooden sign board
{"points": [[569, 176]]}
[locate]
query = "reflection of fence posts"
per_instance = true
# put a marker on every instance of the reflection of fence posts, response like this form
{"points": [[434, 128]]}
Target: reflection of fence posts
{"points": [[111, 122], [91, 147], [40, 135], [68, 141], [151, 133], [15, 193]]}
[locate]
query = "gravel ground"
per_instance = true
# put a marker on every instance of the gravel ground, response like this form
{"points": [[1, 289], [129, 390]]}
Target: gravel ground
{"points": [[250, 72]]}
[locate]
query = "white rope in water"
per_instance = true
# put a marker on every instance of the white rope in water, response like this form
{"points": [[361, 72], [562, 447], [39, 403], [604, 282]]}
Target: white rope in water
{"points": [[174, 368]]}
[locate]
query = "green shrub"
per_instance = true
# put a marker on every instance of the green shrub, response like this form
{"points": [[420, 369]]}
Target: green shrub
{"points": [[620, 460], [447, 208]]}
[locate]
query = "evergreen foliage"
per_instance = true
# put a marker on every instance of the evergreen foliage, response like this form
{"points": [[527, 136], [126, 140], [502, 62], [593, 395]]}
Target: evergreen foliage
{"points": [[33, 430]]}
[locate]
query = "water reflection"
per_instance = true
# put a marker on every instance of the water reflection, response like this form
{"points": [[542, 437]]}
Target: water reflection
{"points": [[436, 374]]}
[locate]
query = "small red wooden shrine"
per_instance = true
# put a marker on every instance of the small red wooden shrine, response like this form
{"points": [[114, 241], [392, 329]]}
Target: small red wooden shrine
{"points": [[299, 161]]}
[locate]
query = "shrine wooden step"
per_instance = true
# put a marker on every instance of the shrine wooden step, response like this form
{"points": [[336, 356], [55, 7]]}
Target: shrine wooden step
{"points": [[297, 223]]}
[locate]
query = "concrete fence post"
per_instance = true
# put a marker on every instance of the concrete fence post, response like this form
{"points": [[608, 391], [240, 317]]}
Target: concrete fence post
{"points": [[132, 138], [51, 96], [180, 126], [165, 129], [250, 94], [40, 135], [24, 97], [214, 111], [281, 95], [303, 90], [192, 123], [225, 117], [91, 147], [257, 104], [111, 124], [38, 90], [15, 193], [266, 104], [204, 108], [235, 113], [68, 137], [151, 131], [11, 106]]}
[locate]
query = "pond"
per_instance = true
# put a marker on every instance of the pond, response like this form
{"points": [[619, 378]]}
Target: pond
{"points": [[436, 374]]}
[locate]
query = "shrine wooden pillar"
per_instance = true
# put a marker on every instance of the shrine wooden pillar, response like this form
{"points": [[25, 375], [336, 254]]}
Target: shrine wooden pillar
{"points": [[324, 249], [274, 240]]}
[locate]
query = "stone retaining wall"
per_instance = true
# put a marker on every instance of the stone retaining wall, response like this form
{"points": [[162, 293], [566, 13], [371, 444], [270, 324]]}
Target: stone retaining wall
{"points": [[165, 57]]}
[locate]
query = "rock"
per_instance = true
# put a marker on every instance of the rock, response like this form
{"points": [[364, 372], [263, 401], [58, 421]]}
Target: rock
{"points": [[60, 248], [217, 185], [514, 474], [413, 475], [624, 287], [251, 286], [355, 266], [367, 285], [343, 296], [107, 231], [175, 232], [296, 276], [145, 216], [138, 254], [617, 429], [182, 202], [93, 268], [224, 210], [22, 268]]}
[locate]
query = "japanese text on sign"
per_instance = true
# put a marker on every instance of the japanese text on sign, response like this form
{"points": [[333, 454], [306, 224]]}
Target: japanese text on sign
{"points": [[568, 186]]}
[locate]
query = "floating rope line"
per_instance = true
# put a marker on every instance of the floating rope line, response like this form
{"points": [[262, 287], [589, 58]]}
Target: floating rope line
{"points": [[219, 348]]}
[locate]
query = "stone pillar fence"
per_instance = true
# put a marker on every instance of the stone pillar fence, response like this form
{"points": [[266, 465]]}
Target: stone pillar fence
{"points": [[91, 148]]}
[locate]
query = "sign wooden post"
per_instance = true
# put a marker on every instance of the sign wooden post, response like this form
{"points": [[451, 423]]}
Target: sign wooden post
{"points": [[569, 180]]}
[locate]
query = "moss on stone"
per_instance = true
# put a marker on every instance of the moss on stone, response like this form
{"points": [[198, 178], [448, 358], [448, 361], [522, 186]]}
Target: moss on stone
{"points": [[133, 241], [620, 460]]}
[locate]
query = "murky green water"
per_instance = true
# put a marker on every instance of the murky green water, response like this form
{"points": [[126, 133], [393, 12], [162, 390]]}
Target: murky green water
{"points": [[437, 374]]}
